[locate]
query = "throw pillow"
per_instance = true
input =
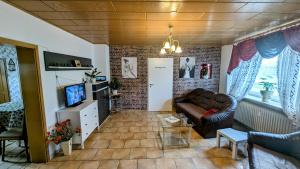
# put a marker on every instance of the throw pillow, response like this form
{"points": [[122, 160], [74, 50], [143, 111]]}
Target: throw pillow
{"points": [[210, 112]]}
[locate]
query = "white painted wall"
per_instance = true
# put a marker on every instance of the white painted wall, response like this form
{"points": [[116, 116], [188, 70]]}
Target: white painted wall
{"points": [[21, 26], [101, 59], [225, 59], [18, 25]]}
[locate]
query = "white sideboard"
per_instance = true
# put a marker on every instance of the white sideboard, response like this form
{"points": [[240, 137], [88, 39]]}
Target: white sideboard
{"points": [[84, 116]]}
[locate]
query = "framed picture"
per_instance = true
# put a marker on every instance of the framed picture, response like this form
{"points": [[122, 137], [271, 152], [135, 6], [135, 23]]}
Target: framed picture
{"points": [[77, 63], [187, 67], [206, 71], [129, 67]]}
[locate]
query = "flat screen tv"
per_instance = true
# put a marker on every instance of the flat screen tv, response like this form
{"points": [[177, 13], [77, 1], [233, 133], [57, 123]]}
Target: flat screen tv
{"points": [[75, 94]]}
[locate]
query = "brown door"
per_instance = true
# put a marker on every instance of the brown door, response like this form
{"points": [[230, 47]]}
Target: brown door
{"points": [[4, 92]]}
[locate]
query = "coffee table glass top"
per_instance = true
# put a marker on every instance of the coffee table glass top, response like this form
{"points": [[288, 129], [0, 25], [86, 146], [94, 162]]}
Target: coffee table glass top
{"points": [[174, 135], [181, 123]]}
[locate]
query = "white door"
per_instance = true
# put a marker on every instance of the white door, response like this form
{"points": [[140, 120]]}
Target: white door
{"points": [[160, 84]]}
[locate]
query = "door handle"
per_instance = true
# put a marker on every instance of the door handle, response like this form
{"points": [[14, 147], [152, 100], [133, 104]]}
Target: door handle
{"points": [[151, 84]]}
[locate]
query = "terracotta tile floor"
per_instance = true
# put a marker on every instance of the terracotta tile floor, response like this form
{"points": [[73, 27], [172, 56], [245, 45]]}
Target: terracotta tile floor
{"points": [[128, 140]]}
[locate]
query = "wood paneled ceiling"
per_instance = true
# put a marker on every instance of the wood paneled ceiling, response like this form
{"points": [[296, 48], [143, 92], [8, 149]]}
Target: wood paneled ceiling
{"points": [[146, 22]]}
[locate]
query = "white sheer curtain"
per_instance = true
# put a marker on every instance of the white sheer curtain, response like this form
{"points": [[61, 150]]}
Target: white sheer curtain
{"points": [[242, 78], [288, 73]]}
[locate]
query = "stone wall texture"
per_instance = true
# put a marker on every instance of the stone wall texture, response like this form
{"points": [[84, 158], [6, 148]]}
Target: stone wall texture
{"points": [[135, 90]]}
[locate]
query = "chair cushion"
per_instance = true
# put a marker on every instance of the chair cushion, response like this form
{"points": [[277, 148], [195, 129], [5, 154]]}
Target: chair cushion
{"points": [[11, 134], [266, 159], [2, 128], [192, 109]]}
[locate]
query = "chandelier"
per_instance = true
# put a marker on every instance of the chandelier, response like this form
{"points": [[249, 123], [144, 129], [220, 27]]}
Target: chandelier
{"points": [[170, 45]]}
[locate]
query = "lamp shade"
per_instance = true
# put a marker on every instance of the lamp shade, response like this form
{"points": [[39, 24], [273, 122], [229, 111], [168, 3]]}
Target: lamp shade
{"points": [[178, 50], [162, 51], [167, 45]]}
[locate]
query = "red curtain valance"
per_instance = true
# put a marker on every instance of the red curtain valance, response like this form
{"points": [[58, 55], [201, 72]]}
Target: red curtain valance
{"points": [[292, 37], [272, 43], [241, 52]]}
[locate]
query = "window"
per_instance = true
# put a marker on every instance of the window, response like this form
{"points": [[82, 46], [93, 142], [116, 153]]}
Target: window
{"points": [[267, 72]]}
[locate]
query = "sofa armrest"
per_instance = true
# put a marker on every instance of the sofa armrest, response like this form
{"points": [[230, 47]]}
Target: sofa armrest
{"points": [[219, 120], [283, 143], [218, 117], [180, 99]]}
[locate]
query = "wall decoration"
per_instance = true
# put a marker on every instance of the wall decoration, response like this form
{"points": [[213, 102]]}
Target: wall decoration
{"points": [[135, 91], [206, 71], [76, 63], [129, 67], [187, 67], [11, 65], [61, 62]]}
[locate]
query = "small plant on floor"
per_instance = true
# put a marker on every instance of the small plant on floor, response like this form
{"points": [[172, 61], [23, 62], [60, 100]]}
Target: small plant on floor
{"points": [[62, 132], [115, 84]]}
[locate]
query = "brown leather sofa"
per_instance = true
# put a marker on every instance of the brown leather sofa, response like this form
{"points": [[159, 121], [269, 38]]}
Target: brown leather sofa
{"points": [[198, 101], [268, 151]]}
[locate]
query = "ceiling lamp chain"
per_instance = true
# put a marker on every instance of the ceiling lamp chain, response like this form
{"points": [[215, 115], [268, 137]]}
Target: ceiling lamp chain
{"points": [[170, 45]]}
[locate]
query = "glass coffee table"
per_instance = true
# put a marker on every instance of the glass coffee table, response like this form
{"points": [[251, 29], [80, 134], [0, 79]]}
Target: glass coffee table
{"points": [[174, 135]]}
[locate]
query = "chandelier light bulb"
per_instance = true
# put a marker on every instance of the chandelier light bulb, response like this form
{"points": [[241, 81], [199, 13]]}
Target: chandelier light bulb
{"points": [[178, 50], [173, 48], [167, 45], [162, 51]]}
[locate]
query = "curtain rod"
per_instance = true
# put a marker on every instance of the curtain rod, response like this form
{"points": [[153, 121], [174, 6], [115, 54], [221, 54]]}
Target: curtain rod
{"points": [[267, 31]]}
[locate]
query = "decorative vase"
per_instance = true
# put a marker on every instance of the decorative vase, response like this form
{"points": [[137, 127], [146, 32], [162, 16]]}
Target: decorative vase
{"points": [[266, 95], [115, 92], [66, 146]]}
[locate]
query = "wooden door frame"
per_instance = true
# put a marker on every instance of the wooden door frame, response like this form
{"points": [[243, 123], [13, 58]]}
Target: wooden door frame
{"points": [[43, 155]]}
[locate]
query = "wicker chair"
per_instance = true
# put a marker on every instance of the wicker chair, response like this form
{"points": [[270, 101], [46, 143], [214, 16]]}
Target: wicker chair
{"points": [[267, 150]]}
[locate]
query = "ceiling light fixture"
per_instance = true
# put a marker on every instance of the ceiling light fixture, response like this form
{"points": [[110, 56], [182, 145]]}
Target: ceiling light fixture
{"points": [[173, 13], [170, 45]]}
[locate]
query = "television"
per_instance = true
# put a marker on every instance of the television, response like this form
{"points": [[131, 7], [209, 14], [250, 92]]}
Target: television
{"points": [[75, 94]]}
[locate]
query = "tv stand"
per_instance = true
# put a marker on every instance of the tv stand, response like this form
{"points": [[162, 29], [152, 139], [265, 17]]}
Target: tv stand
{"points": [[83, 116]]}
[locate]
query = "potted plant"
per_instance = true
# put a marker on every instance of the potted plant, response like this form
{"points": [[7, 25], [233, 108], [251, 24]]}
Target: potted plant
{"points": [[92, 74], [268, 89], [62, 134], [115, 84]]}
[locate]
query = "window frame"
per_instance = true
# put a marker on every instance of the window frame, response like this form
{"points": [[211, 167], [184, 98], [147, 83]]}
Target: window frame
{"points": [[255, 96]]}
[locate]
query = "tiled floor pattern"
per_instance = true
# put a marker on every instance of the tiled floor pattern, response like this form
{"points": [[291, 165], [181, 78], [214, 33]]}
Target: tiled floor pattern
{"points": [[128, 140]]}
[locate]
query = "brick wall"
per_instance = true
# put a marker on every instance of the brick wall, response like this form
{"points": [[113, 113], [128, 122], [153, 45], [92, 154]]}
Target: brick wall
{"points": [[135, 90]]}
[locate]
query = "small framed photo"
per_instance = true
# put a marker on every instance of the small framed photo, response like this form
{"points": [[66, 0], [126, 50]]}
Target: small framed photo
{"points": [[206, 71], [77, 63]]}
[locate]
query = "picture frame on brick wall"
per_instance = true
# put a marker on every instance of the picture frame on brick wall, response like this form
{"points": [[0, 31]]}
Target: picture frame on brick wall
{"points": [[187, 67], [206, 71], [129, 67]]}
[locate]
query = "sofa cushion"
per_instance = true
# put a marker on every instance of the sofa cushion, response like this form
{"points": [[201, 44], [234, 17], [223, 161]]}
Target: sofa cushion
{"points": [[194, 110], [266, 159], [222, 101], [203, 99]]}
